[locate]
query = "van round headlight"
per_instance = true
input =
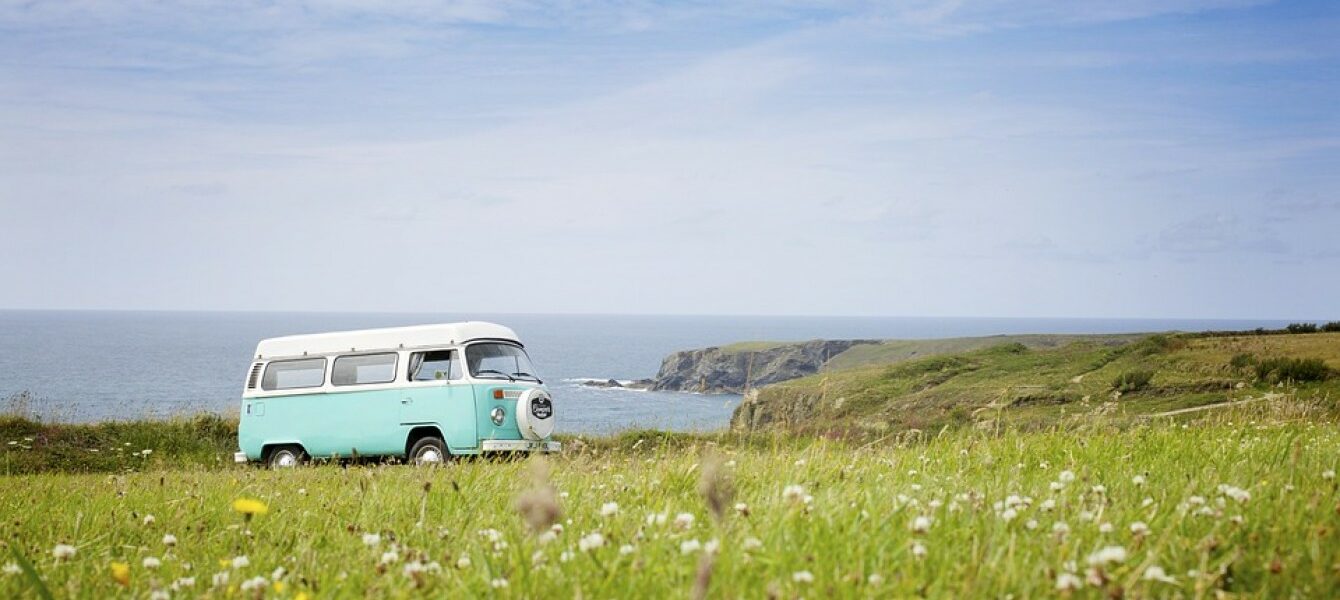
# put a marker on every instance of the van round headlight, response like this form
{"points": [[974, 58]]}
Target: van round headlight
{"points": [[498, 414]]}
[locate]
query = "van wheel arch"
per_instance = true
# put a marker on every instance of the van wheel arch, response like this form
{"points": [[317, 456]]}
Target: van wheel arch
{"points": [[283, 455], [420, 434]]}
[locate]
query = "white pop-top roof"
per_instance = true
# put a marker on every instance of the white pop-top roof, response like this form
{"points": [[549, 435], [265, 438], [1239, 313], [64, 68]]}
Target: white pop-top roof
{"points": [[390, 338]]}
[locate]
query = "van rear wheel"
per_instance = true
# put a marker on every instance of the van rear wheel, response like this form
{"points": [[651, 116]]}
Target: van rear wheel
{"points": [[285, 457], [428, 451]]}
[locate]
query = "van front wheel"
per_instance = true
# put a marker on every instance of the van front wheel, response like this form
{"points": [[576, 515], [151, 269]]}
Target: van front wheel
{"points": [[428, 451], [285, 457]]}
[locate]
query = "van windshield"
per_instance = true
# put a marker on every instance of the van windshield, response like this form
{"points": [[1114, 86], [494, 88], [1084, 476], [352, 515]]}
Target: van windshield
{"points": [[499, 361]]}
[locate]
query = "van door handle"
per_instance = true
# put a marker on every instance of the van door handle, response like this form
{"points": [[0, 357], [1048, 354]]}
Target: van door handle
{"points": [[404, 400]]}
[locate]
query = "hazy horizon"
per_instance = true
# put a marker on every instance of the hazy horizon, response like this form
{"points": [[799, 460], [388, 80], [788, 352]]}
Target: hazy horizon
{"points": [[1147, 160]]}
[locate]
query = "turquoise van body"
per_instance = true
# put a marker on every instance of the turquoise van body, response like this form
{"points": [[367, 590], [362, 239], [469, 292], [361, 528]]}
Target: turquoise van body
{"points": [[371, 399]]}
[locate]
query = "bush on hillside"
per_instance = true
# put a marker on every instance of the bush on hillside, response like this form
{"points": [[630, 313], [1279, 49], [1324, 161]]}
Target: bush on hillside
{"points": [[1241, 361], [1292, 369], [1301, 328], [1333, 326], [1132, 381]]}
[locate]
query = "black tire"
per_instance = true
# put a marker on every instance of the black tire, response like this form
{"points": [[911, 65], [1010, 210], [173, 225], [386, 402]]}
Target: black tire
{"points": [[428, 451], [285, 457]]}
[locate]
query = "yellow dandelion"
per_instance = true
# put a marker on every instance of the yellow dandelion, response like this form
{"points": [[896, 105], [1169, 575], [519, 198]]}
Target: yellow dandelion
{"points": [[279, 587], [300, 596], [121, 573], [250, 506]]}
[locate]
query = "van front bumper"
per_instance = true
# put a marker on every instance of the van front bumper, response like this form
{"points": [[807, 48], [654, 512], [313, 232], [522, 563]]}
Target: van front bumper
{"points": [[519, 445], [239, 457]]}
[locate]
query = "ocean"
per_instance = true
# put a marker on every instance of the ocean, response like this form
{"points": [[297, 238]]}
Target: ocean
{"points": [[82, 366]]}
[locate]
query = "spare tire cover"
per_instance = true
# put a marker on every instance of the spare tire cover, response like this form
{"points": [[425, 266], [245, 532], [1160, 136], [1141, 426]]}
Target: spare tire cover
{"points": [[535, 414]]}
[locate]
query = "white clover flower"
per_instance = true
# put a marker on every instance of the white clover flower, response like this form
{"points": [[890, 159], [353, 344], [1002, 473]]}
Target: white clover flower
{"points": [[1099, 489], [1105, 528], [498, 583], [1031, 524], [591, 541], [1195, 500], [302, 491], [918, 550], [921, 524], [741, 508], [626, 549], [159, 595], [566, 556], [149, 519], [63, 551], [800, 462], [751, 544], [656, 518], [278, 573], [1138, 480], [1008, 515], [11, 568], [546, 537], [1147, 502], [690, 546], [802, 577], [712, 546], [1066, 476], [413, 569], [1067, 582], [151, 562], [1236, 493], [492, 535], [1057, 486], [1085, 515], [1107, 555], [240, 562], [1156, 573], [1139, 528], [1060, 528], [183, 582], [389, 557], [371, 539], [875, 579], [609, 509], [1237, 519], [730, 463], [683, 521], [169, 540], [793, 493], [220, 579], [463, 562], [1047, 505], [1328, 474], [255, 584], [557, 528]]}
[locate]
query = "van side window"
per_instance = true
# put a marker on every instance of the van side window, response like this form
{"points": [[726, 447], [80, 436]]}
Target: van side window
{"points": [[290, 374], [434, 365], [361, 369]]}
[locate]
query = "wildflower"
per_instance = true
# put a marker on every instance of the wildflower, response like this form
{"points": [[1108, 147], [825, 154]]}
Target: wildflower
{"points": [[1106, 555], [169, 540], [793, 493], [752, 543], [712, 546], [546, 537], [690, 546], [656, 518], [802, 577], [1328, 474], [255, 584], [159, 595], [683, 521], [921, 524], [875, 579], [149, 519], [302, 491], [183, 582], [566, 556], [220, 579], [742, 508], [1105, 528], [1147, 502], [1139, 528], [1067, 582], [591, 541], [1100, 489], [1138, 480], [152, 562], [63, 551], [371, 539], [918, 549], [1236, 493], [1085, 515], [1008, 515], [498, 583], [609, 509], [1057, 486], [1031, 524], [463, 562], [250, 506], [413, 570], [278, 573], [1047, 505], [1156, 573], [12, 569], [389, 557], [1060, 528], [1066, 476], [120, 573], [626, 549], [240, 562]]}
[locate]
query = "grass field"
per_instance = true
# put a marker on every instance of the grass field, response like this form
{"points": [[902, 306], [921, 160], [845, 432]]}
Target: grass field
{"points": [[1242, 501]]}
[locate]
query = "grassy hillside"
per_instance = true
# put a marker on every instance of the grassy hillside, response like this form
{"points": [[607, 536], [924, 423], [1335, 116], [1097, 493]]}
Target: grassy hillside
{"points": [[895, 351], [1216, 509], [28, 446], [1015, 384]]}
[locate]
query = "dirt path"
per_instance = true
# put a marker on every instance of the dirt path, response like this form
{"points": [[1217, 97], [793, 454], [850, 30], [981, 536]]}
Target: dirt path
{"points": [[1182, 411]]}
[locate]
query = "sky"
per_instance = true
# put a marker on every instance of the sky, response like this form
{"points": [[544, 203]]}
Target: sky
{"points": [[1077, 158]]}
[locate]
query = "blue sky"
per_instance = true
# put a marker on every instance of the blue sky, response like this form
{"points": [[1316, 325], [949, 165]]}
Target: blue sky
{"points": [[1172, 158]]}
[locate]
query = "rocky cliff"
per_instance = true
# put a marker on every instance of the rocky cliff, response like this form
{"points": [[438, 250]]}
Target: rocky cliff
{"points": [[731, 370]]}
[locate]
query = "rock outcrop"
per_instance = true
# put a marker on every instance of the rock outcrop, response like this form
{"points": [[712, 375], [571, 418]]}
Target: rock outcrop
{"points": [[732, 370]]}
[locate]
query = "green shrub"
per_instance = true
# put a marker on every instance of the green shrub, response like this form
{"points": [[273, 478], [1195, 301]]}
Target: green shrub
{"points": [[1161, 343], [1241, 361], [1301, 328], [1332, 326], [1292, 369], [1131, 381]]}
